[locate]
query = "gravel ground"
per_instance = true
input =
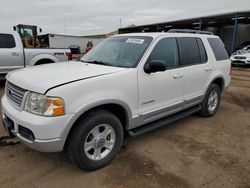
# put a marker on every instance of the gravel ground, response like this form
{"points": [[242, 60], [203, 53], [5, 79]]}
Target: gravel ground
{"points": [[193, 152]]}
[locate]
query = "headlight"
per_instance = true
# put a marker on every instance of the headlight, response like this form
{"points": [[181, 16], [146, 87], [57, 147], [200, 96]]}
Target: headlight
{"points": [[44, 106]]}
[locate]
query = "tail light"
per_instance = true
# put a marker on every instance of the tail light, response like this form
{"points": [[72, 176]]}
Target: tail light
{"points": [[69, 54]]}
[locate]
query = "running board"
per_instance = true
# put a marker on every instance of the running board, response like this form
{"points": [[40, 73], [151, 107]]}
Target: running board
{"points": [[162, 122]]}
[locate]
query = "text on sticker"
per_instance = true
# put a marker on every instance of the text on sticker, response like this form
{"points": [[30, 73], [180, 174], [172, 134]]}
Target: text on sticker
{"points": [[135, 41]]}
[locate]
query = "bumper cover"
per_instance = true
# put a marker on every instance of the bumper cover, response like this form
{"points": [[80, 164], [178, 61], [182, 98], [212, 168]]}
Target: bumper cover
{"points": [[48, 131], [240, 62]]}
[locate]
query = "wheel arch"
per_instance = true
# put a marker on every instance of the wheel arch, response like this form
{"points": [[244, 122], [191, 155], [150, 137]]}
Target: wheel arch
{"points": [[118, 108], [44, 61], [42, 57], [219, 80]]}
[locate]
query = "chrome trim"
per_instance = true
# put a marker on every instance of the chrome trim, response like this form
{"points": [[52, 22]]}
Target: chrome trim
{"points": [[15, 95], [193, 101], [148, 117], [160, 113]]}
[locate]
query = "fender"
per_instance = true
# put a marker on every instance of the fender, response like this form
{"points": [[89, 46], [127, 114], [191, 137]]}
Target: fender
{"points": [[92, 105], [211, 81], [42, 56]]}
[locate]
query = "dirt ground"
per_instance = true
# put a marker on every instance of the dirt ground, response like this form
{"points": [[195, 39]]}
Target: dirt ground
{"points": [[193, 152]]}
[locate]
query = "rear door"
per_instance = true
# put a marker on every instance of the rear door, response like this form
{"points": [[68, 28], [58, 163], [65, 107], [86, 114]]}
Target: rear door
{"points": [[195, 67], [10, 52]]}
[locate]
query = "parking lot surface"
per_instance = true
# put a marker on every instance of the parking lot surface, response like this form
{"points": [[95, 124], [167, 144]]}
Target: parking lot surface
{"points": [[193, 152]]}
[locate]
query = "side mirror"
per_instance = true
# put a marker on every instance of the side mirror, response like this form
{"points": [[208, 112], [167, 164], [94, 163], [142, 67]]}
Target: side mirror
{"points": [[14, 28], [40, 30], [155, 66]]}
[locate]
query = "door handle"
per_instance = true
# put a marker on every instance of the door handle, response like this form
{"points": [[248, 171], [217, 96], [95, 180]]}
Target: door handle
{"points": [[15, 53], [208, 69], [178, 75]]}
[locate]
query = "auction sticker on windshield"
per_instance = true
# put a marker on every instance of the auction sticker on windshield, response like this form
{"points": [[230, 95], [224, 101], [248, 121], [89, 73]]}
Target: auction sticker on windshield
{"points": [[135, 41]]}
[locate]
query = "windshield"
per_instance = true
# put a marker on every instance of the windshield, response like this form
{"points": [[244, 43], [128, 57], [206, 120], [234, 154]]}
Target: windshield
{"points": [[118, 51]]}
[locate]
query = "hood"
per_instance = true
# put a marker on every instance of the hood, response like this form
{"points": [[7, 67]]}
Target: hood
{"points": [[43, 77]]}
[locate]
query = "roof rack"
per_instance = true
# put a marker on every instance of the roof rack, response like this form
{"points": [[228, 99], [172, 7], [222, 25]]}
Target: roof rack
{"points": [[189, 31]]}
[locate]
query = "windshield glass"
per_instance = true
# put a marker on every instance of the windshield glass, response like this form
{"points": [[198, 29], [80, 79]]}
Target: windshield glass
{"points": [[118, 51]]}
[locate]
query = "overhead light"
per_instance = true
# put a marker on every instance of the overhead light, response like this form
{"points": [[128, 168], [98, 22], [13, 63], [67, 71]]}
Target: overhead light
{"points": [[196, 23], [146, 29], [239, 18], [211, 22], [168, 26]]}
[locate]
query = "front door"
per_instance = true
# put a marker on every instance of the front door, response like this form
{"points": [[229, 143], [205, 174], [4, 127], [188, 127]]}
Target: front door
{"points": [[161, 93]]}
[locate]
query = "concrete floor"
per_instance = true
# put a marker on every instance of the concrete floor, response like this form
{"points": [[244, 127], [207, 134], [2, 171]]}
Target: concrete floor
{"points": [[193, 152]]}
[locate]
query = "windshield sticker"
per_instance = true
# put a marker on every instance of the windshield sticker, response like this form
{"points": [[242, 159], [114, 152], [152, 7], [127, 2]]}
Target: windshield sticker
{"points": [[135, 41]]}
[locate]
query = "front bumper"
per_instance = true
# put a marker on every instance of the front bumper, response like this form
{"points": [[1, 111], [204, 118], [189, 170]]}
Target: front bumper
{"points": [[48, 132], [240, 62]]}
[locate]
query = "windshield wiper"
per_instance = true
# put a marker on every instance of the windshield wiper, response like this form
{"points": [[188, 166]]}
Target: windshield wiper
{"points": [[98, 63]]}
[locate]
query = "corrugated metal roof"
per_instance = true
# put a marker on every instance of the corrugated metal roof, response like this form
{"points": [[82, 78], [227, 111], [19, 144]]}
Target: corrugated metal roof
{"points": [[223, 13]]}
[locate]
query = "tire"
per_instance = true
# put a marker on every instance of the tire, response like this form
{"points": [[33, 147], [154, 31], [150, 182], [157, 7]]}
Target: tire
{"points": [[210, 110], [95, 140], [44, 61]]}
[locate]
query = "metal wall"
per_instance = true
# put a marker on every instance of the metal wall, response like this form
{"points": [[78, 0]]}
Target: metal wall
{"points": [[60, 41]]}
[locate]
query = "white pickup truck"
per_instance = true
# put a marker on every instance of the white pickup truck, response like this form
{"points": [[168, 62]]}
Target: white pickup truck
{"points": [[14, 56]]}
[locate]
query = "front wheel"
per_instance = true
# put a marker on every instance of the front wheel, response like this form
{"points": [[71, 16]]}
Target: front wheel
{"points": [[95, 140], [211, 102]]}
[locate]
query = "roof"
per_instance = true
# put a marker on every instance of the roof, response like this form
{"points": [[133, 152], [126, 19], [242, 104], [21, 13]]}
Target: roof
{"points": [[158, 34], [214, 20]]}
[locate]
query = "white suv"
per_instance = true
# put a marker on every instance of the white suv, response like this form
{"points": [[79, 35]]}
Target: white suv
{"points": [[129, 83]]}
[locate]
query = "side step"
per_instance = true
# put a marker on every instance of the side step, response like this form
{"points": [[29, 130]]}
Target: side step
{"points": [[162, 122]]}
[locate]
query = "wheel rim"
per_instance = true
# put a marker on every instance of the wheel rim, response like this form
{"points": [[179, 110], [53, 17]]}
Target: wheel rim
{"points": [[212, 101], [99, 142]]}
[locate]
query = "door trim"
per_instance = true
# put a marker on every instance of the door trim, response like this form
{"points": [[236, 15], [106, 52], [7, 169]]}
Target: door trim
{"points": [[163, 112]]}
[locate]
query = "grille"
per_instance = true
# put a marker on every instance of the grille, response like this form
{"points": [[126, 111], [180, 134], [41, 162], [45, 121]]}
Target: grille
{"points": [[14, 93], [239, 57]]}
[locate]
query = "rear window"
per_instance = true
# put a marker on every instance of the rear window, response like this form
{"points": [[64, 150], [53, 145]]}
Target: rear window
{"points": [[7, 41], [218, 48]]}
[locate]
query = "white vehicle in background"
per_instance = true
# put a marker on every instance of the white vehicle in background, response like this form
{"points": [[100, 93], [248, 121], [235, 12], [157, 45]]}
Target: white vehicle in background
{"points": [[14, 56], [240, 57], [246, 48]]}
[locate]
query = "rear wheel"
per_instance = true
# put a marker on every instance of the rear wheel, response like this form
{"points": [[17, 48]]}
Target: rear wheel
{"points": [[44, 61], [211, 101], [95, 140]]}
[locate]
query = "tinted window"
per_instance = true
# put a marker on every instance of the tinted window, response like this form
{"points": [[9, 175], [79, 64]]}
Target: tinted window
{"points": [[203, 54], [166, 50], [7, 41], [190, 51], [218, 48]]}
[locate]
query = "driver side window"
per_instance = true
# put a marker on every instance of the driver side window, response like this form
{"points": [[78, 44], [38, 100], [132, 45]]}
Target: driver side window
{"points": [[166, 50]]}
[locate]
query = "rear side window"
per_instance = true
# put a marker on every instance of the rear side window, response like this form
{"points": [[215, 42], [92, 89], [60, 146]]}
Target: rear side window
{"points": [[203, 53], [166, 50], [218, 48], [7, 41], [190, 51]]}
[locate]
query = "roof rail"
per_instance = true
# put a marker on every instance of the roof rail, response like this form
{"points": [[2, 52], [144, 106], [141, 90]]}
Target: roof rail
{"points": [[190, 31]]}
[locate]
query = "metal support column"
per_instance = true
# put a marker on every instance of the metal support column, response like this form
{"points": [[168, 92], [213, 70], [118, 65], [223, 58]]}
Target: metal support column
{"points": [[234, 34], [200, 26], [157, 28]]}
